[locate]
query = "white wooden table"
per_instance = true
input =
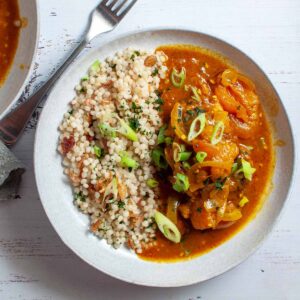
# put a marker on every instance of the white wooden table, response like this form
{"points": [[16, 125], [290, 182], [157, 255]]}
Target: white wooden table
{"points": [[35, 264]]}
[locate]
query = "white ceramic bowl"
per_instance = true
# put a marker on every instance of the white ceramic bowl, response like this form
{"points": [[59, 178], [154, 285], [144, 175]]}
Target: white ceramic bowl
{"points": [[13, 86], [72, 226]]}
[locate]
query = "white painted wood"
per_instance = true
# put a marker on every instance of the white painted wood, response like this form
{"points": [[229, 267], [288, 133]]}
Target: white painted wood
{"points": [[35, 264]]}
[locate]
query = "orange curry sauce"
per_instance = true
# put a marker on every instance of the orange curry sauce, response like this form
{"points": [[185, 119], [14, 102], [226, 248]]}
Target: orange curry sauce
{"points": [[208, 65], [9, 34]]}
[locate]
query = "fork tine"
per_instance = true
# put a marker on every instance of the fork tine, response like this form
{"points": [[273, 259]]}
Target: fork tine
{"points": [[111, 5], [104, 2], [119, 6], [127, 9]]}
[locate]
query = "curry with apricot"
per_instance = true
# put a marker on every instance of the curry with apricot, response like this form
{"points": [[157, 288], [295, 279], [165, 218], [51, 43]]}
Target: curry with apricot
{"points": [[214, 153]]}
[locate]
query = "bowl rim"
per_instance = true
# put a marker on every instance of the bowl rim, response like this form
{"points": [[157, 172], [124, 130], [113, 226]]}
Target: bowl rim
{"points": [[275, 221], [30, 63]]}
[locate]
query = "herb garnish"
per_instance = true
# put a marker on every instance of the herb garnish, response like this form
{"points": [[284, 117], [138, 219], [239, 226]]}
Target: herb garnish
{"points": [[220, 183], [207, 181], [79, 196], [134, 123], [136, 109], [155, 72], [121, 204], [199, 110]]}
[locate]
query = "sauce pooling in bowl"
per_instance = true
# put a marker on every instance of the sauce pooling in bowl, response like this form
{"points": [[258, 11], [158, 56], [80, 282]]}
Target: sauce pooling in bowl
{"points": [[9, 34]]}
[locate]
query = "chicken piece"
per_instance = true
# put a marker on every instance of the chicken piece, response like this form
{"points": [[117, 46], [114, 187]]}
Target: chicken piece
{"points": [[208, 211], [202, 219]]}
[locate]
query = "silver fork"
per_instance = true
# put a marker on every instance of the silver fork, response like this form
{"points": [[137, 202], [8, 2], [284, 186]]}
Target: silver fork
{"points": [[104, 18]]}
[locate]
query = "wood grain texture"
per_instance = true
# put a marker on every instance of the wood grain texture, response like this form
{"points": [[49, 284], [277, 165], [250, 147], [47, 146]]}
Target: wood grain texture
{"points": [[35, 264]]}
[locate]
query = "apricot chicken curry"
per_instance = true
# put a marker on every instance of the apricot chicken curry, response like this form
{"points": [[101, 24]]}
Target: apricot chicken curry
{"points": [[214, 153]]}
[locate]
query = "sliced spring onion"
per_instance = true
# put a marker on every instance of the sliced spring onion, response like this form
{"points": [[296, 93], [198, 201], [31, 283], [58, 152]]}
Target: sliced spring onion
{"points": [[167, 227], [200, 156], [111, 191], [247, 169], [182, 183], [175, 123], [127, 161], [178, 78], [95, 66], [98, 151], [197, 126], [217, 133], [195, 94], [158, 158], [179, 153], [168, 140], [183, 156], [186, 165], [243, 201], [179, 113], [106, 130], [152, 183], [172, 209], [85, 78], [126, 130], [161, 135], [176, 151], [234, 167]]}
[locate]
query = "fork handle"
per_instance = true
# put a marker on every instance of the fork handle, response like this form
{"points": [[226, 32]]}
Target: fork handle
{"points": [[13, 124]]}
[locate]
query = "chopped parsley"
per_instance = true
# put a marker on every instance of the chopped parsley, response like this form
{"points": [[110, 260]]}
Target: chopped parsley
{"points": [[155, 72], [207, 181], [199, 110], [136, 109], [134, 123], [158, 93], [82, 90], [220, 183], [159, 101], [121, 204], [79, 196], [134, 54], [199, 209]]}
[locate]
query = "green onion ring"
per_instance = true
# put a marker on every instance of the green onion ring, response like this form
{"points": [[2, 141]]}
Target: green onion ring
{"points": [[167, 227], [217, 133], [193, 133], [178, 78]]}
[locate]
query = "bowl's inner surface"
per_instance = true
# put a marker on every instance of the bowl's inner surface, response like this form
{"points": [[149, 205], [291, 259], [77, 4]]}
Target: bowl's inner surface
{"points": [[121, 263], [11, 88]]}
